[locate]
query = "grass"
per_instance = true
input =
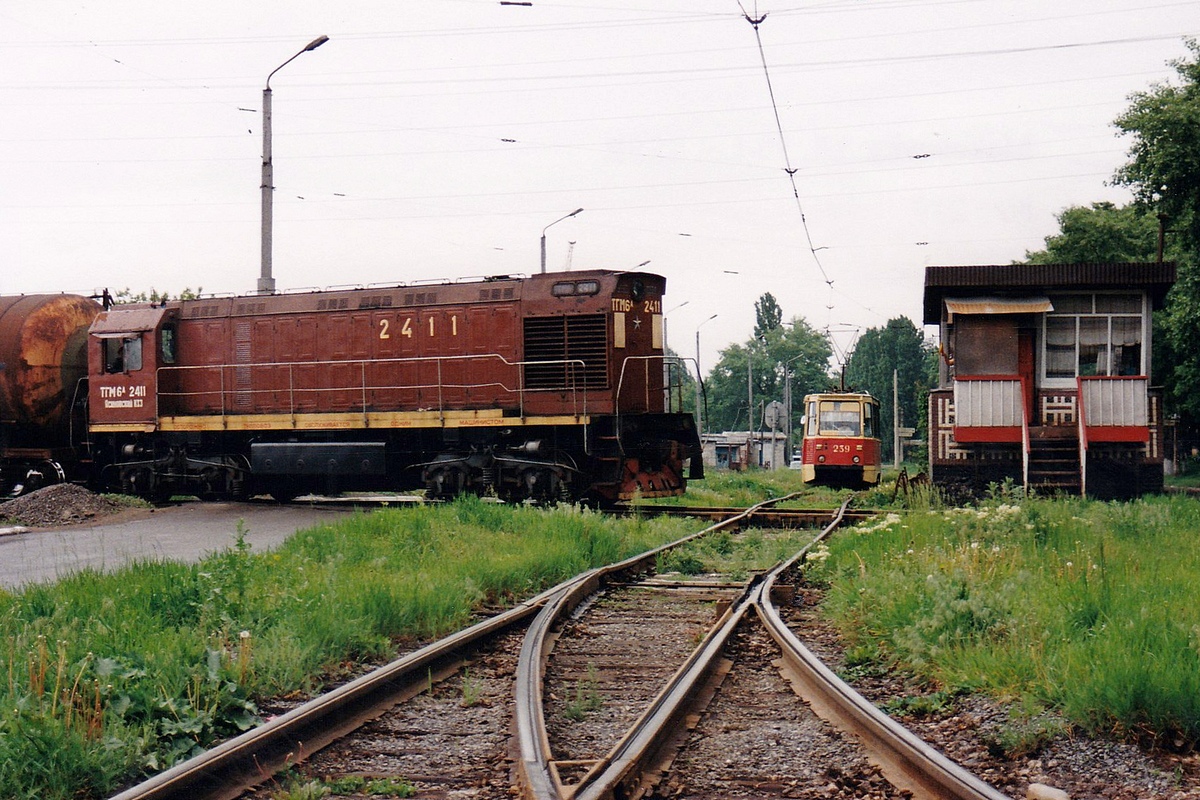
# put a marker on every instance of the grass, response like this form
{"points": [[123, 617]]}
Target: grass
{"points": [[1084, 608], [108, 677], [735, 556], [743, 488]]}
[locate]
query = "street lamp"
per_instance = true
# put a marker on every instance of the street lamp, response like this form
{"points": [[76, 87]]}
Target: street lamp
{"points": [[560, 219], [700, 379], [266, 282]]}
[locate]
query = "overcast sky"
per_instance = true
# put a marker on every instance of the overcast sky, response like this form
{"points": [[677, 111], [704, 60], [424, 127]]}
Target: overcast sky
{"points": [[438, 139]]}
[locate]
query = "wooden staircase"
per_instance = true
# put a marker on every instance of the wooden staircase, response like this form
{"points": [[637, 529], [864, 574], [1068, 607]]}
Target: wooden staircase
{"points": [[1054, 460]]}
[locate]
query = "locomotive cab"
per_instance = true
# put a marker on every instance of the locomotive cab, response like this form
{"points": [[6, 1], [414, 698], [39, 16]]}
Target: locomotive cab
{"points": [[126, 348]]}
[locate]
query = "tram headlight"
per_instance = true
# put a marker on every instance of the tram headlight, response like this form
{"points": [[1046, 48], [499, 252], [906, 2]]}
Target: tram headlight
{"points": [[821, 459], [856, 459]]}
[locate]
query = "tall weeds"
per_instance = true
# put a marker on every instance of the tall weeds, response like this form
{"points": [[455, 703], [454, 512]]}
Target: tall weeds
{"points": [[1088, 608]]}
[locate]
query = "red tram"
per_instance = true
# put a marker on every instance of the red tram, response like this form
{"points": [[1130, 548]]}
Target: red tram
{"points": [[840, 444], [545, 387]]}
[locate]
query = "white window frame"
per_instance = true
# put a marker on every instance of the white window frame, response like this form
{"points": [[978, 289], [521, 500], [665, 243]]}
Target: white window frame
{"points": [[1144, 314]]}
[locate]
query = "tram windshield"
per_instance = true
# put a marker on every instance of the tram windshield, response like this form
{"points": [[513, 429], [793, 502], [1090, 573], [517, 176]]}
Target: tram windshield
{"points": [[840, 418]]}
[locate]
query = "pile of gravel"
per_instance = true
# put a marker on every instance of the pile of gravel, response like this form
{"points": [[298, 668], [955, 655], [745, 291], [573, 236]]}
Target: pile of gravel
{"points": [[60, 504]]}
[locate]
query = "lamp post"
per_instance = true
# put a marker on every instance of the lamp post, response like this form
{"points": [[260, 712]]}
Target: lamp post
{"points": [[560, 219], [266, 282], [700, 380]]}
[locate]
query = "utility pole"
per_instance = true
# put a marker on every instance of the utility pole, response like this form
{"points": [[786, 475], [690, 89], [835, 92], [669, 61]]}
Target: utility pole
{"points": [[749, 409], [699, 383], [896, 418]]}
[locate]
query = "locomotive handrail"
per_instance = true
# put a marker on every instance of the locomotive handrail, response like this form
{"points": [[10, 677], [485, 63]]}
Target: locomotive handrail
{"points": [[664, 359], [579, 397]]}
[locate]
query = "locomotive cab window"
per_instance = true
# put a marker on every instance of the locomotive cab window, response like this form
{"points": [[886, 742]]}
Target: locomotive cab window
{"points": [[122, 354], [167, 345]]}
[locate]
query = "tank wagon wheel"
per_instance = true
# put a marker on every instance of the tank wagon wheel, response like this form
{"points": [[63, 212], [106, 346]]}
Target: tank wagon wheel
{"points": [[45, 473]]}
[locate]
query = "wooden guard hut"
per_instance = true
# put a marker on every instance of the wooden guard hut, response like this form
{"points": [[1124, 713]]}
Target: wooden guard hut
{"points": [[1045, 377]]}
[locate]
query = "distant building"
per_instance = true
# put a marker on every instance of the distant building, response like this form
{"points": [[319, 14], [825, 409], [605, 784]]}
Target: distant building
{"points": [[735, 450], [1045, 377]]}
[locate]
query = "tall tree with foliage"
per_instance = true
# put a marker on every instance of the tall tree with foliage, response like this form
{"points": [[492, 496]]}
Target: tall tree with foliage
{"points": [[795, 347], [767, 315], [1164, 170], [1102, 233], [898, 346], [1164, 173]]}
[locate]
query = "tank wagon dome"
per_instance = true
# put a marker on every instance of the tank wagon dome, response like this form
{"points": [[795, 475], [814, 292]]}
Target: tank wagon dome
{"points": [[43, 355]]}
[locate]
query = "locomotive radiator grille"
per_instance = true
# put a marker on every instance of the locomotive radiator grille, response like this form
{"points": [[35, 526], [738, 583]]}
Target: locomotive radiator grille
{"points": [[243, 398], [558, 340]]}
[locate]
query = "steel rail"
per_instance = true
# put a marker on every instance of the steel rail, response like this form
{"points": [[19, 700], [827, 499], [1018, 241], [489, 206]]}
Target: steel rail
{"points": [[537, 773], [228, 770], [766, 517], [621, 769], [906, 760]]}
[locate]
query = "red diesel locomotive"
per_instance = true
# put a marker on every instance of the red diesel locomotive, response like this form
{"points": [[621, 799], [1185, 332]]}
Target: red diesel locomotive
{"points": [[547, 387]]}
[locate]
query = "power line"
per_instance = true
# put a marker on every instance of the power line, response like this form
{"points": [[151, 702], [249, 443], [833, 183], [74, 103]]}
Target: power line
{"points": [[755, 22]]}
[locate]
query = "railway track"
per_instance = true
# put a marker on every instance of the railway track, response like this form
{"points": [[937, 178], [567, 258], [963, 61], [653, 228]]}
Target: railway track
{"points": [[589, 675]]}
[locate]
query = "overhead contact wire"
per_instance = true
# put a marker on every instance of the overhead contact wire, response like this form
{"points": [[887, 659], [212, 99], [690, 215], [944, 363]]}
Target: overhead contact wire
{"points": [[787, 160]]}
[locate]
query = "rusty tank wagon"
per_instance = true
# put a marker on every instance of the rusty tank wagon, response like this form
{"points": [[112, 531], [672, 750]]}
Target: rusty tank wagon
{"points": [[43, 389]]}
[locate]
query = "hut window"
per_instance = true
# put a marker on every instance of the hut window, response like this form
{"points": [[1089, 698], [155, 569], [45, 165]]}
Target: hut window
{"points": [[1088, 335]]}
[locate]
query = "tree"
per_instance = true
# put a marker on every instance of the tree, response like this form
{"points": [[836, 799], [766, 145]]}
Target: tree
{"points": [[127, 295], [1164, 173], [757, 368], [767, 315], [1164, 170], [898, 346], [1101, 233]]}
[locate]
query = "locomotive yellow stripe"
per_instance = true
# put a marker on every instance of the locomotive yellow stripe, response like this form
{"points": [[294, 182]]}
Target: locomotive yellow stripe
{"points": [[491, 418]]}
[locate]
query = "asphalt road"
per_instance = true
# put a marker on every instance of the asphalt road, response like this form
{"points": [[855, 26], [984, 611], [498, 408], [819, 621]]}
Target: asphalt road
{"points": [[183, 533]]}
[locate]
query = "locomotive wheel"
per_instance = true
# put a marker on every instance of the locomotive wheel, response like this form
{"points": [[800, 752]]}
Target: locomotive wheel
{"points": [[541, 485], [142, 482], [283, 493], [445, 483]]}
